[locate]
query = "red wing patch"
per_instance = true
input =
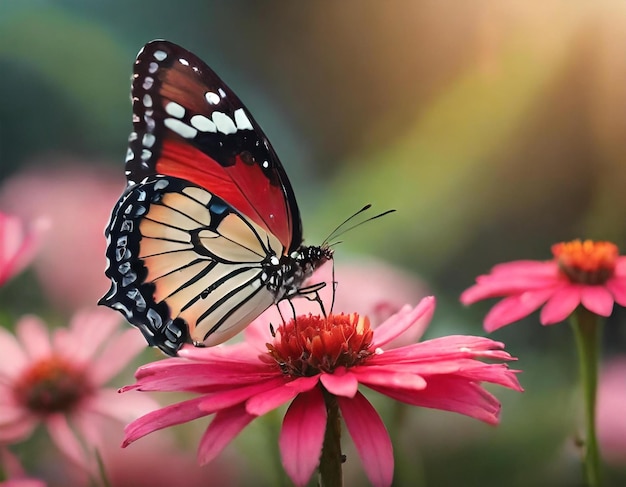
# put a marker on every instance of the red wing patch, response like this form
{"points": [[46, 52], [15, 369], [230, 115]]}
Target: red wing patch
{"points": [[243, 185]]}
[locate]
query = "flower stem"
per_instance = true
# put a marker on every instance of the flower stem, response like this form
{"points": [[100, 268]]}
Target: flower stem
{"points": [[331, 459], [587, 327]]}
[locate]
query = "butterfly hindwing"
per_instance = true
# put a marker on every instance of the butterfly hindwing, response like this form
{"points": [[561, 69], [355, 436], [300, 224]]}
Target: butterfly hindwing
{"points": [[185, 264]]}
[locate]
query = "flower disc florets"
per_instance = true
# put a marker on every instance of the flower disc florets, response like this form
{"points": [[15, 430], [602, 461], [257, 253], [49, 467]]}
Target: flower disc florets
{"points": [[309, 344], [586, 262], [51, 385]]}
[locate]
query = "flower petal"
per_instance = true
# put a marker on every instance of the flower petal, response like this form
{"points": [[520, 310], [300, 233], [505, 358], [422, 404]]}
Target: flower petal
{"points": [[391, 378], [266, 401], [34, 336], [302, 435], [404, 319], [370, 438], [225, 426], [230, 397], [450, 393], [341, 382], [515, 308], [177, 413], [562, 304], [14, 358], [65, 439], [597, 299], [617, 286]]}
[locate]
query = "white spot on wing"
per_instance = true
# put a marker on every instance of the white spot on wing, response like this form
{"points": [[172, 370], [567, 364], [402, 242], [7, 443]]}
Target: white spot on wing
{"points": [[152, 67], [147, 100], [241, 120], [224, 123], [183, 61], [147, 82], [129, 154], [145, 154], [203, 124], [160, 55], [212, 98], [175, 110], [180, 128], [221, 92], [148, 140]]}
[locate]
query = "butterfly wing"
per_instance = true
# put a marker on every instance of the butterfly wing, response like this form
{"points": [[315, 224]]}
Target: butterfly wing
{"points": [[189, 124], [207, 206]]}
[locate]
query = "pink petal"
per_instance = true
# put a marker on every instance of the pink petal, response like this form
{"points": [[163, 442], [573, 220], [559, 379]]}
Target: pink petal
{"points": [[515, 308], [117, 354], [340, 383], [390, 378], [302, 435], [88, 331], [13, 359], [18, 430], [512, 278], [404, 319], [617, 286], [181, 412], [370, 438], [561, 304], [65, 439], [450, 393], [225, 426], [266, 401], [34, 336], [597, 299], [231, 397], [121, 407]]}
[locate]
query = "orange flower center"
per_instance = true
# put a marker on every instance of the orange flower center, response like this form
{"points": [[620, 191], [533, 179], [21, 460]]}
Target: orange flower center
{"points": [[51, 385], [586, 262], [312, 344]]}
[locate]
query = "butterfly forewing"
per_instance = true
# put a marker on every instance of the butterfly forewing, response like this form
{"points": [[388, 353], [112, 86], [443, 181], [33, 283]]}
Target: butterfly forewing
{"points": [[189, 124]]}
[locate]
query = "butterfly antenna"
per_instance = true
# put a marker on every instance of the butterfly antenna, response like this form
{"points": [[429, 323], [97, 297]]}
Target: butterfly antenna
{"points": [[342, 231], [334, 233]]}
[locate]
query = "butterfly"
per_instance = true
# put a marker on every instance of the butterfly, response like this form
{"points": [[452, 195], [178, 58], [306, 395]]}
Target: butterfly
{"points": [[207, 234]]}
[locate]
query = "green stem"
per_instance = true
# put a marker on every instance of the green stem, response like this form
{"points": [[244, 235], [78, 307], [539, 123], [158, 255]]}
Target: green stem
{"points": [[331, 459], [587, 328]]}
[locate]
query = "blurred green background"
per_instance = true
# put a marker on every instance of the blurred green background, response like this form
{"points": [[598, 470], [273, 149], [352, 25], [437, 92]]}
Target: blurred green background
{"points": [[495, 128]]}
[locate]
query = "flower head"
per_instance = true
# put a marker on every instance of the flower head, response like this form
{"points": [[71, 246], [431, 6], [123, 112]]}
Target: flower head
{"points": [[18, 244], [311, 357], [587, 273], [58, 381]]}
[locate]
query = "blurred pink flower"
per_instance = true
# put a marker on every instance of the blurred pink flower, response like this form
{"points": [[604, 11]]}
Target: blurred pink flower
{"points": [[77, 199], [58, 380], [591, 274], [161, 462], [335, 354], [611, 411], [18, 244], [16, 477]]}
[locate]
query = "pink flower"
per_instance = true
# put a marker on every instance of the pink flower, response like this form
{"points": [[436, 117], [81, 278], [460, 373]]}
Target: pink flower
{"points": [[313, 357], [591, 274], [77, 199], [16, 477], [58, 380], [18, 244], [611, 420]]}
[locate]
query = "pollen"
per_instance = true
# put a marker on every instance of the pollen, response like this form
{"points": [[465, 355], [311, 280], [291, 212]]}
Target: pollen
{"points": [[51, 385], [586, 262], [310, 344]]}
